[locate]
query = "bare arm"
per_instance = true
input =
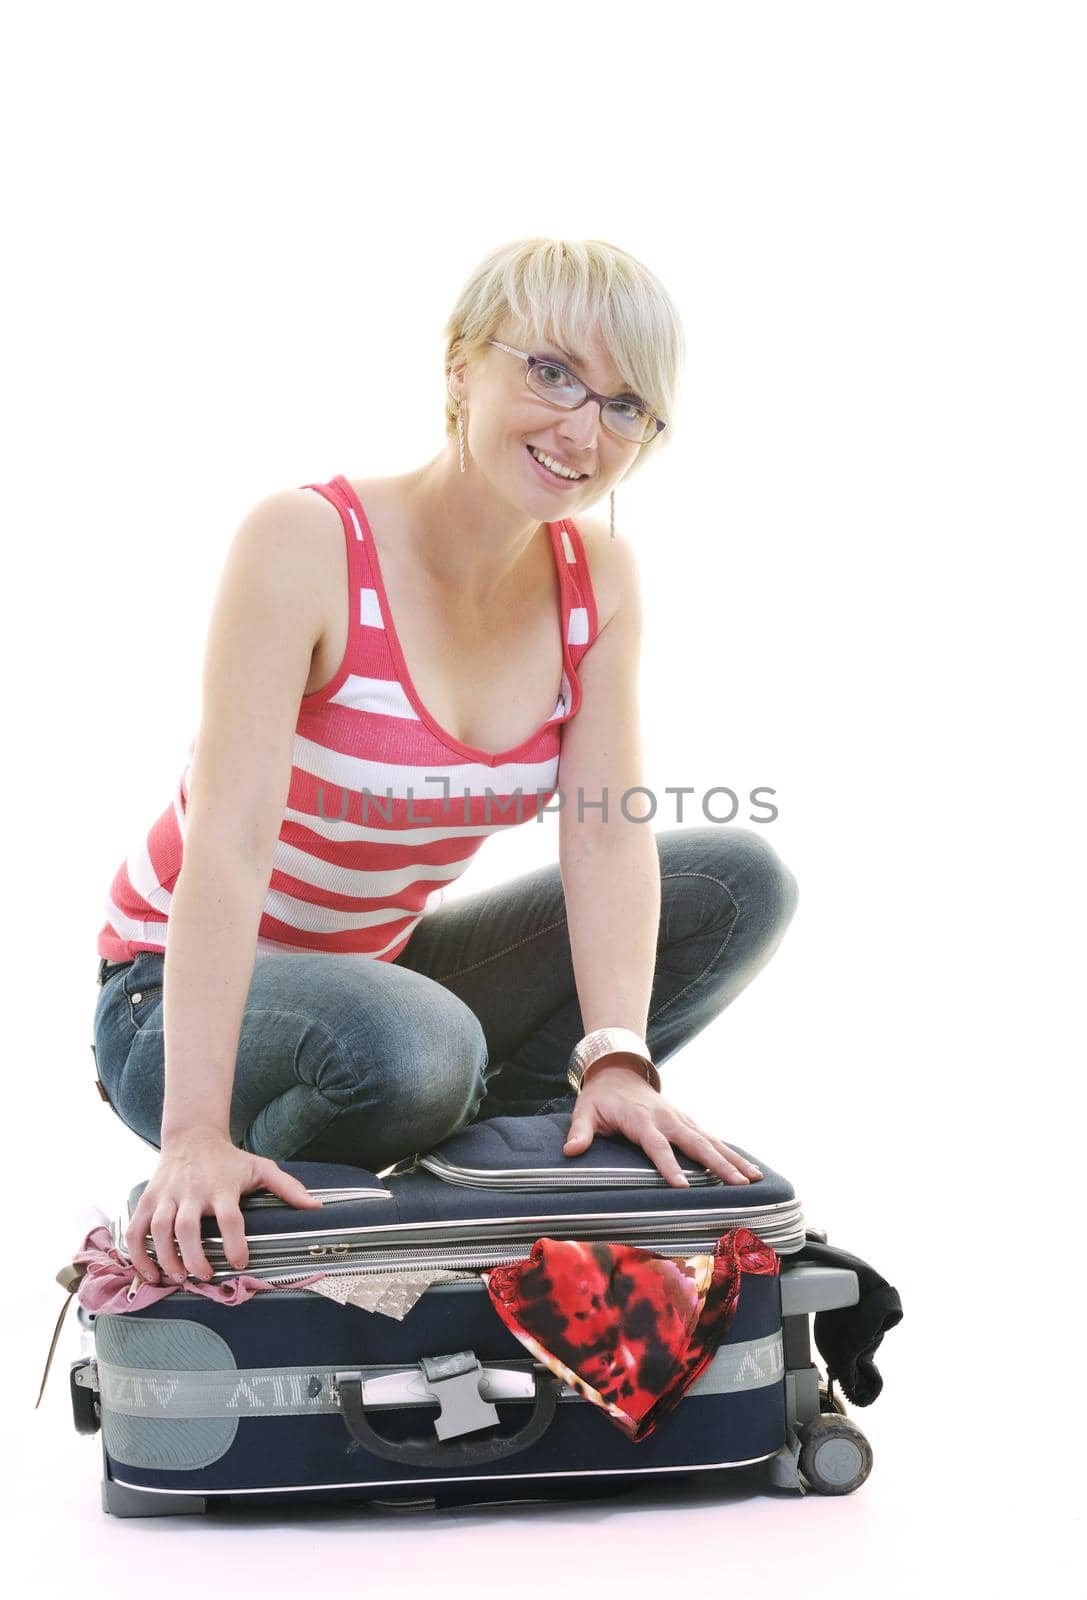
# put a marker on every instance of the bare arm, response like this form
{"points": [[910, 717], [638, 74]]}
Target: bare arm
{"points": [[265, 625], [609, 862], [266, 622], [611, 880]]}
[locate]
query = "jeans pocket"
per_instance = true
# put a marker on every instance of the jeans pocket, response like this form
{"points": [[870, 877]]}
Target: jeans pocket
{"points": [[143, 984]]}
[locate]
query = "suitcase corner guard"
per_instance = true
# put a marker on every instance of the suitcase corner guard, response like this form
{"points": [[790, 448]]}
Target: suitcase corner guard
{"points": [[453, 1382]]}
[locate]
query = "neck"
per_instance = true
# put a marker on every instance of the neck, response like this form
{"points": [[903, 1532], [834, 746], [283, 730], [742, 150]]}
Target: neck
{"points": [[463, 535]]}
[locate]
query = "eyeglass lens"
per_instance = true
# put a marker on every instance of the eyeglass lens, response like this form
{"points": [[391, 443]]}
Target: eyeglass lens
{"points": [[623, 417]]}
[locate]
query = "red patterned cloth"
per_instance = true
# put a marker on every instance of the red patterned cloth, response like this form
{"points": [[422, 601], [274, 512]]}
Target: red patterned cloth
{"points": [[629, 1329]]}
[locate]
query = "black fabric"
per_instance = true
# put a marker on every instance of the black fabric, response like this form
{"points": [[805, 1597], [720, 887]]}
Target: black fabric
{"points": [[848, 1337], [107, 968]]}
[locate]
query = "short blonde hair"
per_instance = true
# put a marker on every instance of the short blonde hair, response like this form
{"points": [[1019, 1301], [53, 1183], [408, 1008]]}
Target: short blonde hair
{"points": [[567, 290]]}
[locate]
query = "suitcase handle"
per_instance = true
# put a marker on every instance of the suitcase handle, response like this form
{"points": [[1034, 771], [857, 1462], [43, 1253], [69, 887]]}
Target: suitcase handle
{"points": [[459, 1376]]}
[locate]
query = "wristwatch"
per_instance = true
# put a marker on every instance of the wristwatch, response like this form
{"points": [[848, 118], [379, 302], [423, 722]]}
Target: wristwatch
{"points": [[605, 1042]]}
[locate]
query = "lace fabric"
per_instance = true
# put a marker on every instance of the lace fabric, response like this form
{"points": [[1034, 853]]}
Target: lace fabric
{"points": [[390, 1294]]}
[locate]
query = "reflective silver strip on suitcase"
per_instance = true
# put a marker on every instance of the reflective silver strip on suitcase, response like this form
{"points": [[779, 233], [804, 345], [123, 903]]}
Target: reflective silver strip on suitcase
{"points": [[299, 1391]]}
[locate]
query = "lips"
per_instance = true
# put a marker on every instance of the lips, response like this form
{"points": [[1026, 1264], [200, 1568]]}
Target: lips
{"points": [[554, 475]]}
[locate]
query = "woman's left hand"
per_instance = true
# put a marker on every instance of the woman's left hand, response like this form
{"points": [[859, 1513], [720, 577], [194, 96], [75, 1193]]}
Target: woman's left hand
{"points": [[618, 1100]]}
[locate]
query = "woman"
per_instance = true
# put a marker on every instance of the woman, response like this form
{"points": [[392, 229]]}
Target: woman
{"points": [[311, 1001]]}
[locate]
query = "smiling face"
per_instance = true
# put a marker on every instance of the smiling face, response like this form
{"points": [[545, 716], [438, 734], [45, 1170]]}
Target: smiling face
{"points": [[509, 426]]}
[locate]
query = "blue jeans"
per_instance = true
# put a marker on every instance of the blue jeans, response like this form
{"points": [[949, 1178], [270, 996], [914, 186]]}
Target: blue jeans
{"points": [[365, 1062]]}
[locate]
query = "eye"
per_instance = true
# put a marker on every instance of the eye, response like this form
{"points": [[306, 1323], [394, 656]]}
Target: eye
{"points": [[551, 373]]}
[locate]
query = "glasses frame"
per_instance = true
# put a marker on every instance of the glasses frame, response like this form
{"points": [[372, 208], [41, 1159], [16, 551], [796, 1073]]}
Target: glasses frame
{"points": [[590, 394]]}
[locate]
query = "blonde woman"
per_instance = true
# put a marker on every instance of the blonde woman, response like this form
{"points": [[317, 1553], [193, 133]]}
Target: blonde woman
{"points": [[396, 668]]}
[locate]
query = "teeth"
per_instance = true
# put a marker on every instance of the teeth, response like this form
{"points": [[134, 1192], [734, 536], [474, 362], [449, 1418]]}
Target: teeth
{"points": [[552, 465]]}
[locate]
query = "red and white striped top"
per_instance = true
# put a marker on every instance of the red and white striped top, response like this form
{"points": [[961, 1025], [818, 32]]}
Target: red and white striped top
{"points": [[384, 806]]}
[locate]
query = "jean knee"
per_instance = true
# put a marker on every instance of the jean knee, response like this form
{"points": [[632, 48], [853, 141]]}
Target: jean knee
{"points": [[422, 1071], [778, 886], [749, 869], [450, 1082]]}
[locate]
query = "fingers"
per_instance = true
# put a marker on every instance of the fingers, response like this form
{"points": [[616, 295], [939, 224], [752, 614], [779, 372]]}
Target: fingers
{"points": [[660, 1129], [162, 1232], [580, 1136], [172, 1226], [582, 1127], [741, 1162], [203, 1178], [715, 1155], [659, 1134], [187, 1233], [136, 1243], [232, 1230], [660, 1151], [287, 1188]]}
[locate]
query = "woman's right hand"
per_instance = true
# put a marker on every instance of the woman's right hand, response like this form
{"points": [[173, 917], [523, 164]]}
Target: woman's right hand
{"points": [[201, 1174]]}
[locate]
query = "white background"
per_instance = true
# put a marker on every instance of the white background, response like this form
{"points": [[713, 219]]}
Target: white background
{"points": [[235, 232]]}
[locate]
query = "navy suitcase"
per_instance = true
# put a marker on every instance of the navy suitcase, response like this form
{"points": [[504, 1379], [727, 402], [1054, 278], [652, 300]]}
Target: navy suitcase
{"points": [[296, 1396]]}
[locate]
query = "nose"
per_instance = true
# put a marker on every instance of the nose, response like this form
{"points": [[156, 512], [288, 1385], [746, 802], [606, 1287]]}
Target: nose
{"points": [[581, 426]]}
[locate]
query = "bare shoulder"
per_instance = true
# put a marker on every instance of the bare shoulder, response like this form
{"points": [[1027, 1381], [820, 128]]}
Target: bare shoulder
{"points": [[613, 567], [299, 535], [298, 518]]}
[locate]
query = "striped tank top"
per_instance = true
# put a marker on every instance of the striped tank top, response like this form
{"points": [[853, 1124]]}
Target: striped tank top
{"points": [[385, 808]]}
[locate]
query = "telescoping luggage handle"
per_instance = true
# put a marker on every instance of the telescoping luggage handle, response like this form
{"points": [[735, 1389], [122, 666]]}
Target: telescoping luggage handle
{"points": [[453, 1381]]}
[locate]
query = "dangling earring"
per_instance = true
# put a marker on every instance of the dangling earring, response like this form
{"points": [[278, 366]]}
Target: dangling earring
{"points": [[612, 498], [460, 432]]}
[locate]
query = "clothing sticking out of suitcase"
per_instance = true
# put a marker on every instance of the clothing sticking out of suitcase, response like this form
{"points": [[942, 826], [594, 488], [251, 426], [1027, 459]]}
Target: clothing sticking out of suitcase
{"points": [[490, 1320]]}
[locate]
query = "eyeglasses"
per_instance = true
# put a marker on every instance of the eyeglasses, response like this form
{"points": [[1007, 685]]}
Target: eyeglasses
{"points": [[549, 379]]}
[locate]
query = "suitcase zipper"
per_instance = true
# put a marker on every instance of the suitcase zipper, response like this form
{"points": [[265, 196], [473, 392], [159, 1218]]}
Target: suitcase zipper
{"points": [[292, 1256], [263, 1198], [467, 1262], [515, 1178], [520, 1178]]}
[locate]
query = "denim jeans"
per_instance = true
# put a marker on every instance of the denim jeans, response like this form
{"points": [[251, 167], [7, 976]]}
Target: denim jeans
{"points": [[364, 1062]]}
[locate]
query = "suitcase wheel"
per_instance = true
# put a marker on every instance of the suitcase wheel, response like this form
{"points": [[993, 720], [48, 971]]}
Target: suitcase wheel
{"points": [[85, 1411], [835, 1457]]}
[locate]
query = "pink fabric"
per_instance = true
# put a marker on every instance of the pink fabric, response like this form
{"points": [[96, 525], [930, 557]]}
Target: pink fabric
{"points": [[108, 1280]]}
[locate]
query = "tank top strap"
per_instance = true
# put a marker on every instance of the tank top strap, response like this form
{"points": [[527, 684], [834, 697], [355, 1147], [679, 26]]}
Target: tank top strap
{"points": [[358, 557], [580, 618], [367, 653]]}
